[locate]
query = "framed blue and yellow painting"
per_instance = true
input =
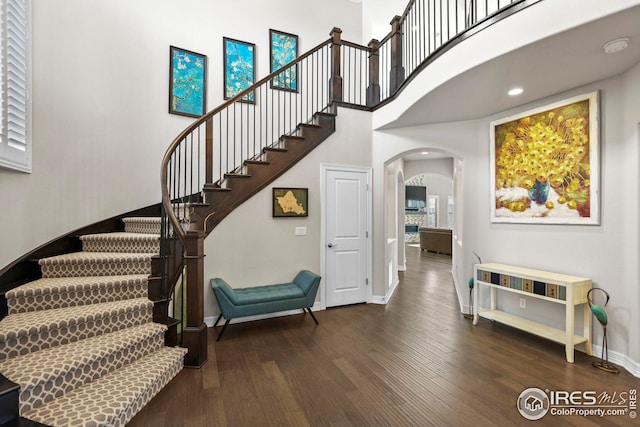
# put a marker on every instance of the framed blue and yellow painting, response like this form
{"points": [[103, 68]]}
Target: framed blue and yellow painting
{"points": [[187, 82], [284, 49], [239, 68], [545, 164]]}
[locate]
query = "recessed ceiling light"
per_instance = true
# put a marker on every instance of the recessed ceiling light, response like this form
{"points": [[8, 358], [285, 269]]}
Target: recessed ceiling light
{"points": [[515, 91], [424, 153], [616, 45]]}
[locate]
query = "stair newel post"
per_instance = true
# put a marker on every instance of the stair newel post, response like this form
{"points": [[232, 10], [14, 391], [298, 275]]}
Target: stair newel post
{"points": [[194, 335], [373, 90], [397, 69], [209, 151], [335, 81]]}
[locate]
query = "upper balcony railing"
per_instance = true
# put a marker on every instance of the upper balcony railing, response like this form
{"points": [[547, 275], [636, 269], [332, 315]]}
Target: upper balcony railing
{"points": [[376, 73]]}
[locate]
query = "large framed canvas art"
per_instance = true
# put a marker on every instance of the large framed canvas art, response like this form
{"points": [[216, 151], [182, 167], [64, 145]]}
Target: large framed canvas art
{"points": [[544, 164], [284, 49], [239, 68], [187, 82]]}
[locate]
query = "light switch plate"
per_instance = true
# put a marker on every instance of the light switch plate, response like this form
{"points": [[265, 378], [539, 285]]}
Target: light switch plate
{"points": [[301, 231]]}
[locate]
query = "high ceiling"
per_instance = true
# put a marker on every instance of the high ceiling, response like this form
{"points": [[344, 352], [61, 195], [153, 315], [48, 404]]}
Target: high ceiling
{"points": [[545, 68]]}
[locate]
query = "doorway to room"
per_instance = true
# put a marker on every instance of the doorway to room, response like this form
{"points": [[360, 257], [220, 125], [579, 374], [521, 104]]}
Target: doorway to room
{"points": [[431, 209], [428, 222]]}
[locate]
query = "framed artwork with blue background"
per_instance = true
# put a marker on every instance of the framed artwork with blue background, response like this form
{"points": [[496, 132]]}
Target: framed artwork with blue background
{"points": [[239, 68], [187, 82], [284, 49]]}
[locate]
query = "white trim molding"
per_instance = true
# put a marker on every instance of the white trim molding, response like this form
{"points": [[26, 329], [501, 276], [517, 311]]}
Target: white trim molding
{"points": [[619, 359], [378, 299]]}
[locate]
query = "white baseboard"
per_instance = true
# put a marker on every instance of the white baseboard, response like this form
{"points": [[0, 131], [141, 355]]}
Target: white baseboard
{"points": [[464, 309], [209, 321], [619, 359], [402, 267], [377, 299]]}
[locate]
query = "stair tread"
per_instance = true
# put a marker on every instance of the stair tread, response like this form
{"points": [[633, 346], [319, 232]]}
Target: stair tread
{"points": [[73, 284], [121, 235], [21, 324], [143, 219], [142, 225], [324, 113], [90, 257], [43, 365], [257, 162], [120, 242], [115, 398]]}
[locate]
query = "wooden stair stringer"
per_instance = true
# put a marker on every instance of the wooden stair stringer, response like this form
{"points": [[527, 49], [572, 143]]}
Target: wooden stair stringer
{"points": [[220, 202]]}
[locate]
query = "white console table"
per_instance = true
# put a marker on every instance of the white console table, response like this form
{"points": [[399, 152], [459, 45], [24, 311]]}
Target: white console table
{"points": [[562, 289]]}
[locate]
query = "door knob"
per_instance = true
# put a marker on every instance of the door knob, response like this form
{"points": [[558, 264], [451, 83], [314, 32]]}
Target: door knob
{"points": [[331, 245]]}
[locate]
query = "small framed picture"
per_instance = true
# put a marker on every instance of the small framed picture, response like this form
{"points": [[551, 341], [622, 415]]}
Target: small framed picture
{"points": [[290, 202], [239, 68], [284, 49], [187, 82]]}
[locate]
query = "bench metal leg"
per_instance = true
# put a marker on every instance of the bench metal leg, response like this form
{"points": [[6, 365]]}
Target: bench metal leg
{"points": [[219, 317], [312, 315], [223, 329]]}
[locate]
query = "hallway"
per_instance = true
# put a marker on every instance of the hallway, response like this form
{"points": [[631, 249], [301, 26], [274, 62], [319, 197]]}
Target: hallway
{"points": [[414, 362]]}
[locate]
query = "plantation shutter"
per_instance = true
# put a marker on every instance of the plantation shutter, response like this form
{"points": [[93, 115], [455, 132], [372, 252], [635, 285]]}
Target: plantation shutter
{"points": [[15, 150]]}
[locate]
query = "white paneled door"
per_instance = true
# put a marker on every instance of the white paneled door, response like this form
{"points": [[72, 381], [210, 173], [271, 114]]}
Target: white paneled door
{"points": [[346, 235]]}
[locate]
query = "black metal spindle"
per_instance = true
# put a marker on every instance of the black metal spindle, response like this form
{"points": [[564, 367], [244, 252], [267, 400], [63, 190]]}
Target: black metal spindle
{"points": [[191, 192], [199, 150], [414, 43]]}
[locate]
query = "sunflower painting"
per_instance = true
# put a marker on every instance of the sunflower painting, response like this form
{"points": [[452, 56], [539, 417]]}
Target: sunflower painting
{"points": [[545, 164]]}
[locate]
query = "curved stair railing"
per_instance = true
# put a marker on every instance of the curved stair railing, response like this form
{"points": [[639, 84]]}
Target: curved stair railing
{"points": [[220, 149]]}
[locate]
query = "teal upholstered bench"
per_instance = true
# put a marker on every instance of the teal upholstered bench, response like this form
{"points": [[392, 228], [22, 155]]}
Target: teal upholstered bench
{"points": [[298, 294]]}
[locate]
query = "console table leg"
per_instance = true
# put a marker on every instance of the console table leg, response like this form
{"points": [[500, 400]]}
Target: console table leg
{"points": [[569, 327], [476, 304], [587, 329]]}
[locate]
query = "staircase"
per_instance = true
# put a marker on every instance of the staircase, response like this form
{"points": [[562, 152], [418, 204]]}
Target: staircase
{"points": [[80, 341], [224, 196]]}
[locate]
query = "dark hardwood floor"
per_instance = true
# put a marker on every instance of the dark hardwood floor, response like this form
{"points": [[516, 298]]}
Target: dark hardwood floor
{"points": [[414, 362]]}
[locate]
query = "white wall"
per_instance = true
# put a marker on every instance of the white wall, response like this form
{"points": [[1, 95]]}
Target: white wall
{"points": [[606, 253], [250, 247], [100, 99], [442, 167]]}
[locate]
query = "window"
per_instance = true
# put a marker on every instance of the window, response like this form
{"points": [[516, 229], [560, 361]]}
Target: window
{"points": [[15, 147]]}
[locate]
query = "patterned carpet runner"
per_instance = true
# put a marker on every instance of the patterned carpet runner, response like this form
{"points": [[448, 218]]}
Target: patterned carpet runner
{"points": [[81, 342]]}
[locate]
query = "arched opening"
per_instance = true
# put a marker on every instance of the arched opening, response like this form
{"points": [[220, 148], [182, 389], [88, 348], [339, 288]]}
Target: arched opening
{"points": [[438, 176]]}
